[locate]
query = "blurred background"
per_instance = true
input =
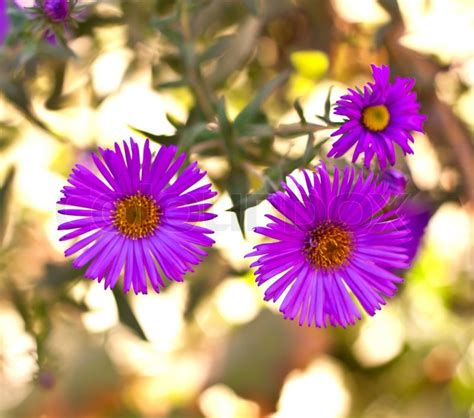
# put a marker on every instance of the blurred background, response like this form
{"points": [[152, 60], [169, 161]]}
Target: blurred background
{"points": [[178, 72]]}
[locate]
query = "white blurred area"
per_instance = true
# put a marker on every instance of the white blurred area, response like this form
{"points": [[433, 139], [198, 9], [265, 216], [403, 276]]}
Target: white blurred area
{"points": [[361, 11], [103, 313], [423, 24], [424, 164], [319, 388], [237, 301], [423, 20], [219, 401], [381, 337], [451, 235], [227, 232], [17, 358]]}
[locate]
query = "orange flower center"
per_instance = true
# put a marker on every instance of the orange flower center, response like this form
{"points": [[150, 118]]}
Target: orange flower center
{"points": [[136, 216], [376, 118], [328, 246]]}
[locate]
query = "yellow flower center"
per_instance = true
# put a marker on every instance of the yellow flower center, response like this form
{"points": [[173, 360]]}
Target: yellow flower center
{"points": [[376, 118], [328, 246], [136, 216]]}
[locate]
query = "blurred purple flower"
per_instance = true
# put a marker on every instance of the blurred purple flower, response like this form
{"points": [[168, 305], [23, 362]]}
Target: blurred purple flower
{"points": [[136, 219], [53, 19], [336, 237], [416, 216], [396, 180], [55, 10], [377, 117], [4, 22]]}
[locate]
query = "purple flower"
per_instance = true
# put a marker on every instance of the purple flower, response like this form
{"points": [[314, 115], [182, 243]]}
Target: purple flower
{"points": [[396, 180], [53, 20], [377, 117], [56, 10], [134, 217], [338, 238], [416, 216], [4, 22]]}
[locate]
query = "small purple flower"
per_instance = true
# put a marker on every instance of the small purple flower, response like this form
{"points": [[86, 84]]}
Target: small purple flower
{"points": [[56, 10], [396, 180], [53, 20], [134, 217], [416, 216], [4, 22], [338, 238], [377, 117]]}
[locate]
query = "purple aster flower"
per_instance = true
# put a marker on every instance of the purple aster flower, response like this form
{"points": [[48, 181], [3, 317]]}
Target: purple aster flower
{"points": [[338, 238], [377, 117], [4, 22], [56, 10], [134, 217]]}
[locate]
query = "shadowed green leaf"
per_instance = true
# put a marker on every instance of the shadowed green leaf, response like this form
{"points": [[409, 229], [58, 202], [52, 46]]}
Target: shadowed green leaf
{"points": [[299, 111], [327, 104], [238, 187], [217, 49], [126, 315], [5, 193], [159, 139], [171, 84], [227, 132], [60, 274]]}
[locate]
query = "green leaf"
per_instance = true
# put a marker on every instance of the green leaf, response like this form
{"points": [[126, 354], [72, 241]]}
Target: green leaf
{"points": [[217, 49], [248, 114], [171, 84], [20, 303], [277, 173], [159, 139], [15, 92], [238, 187], [240, 49], [259, 130], [310, 64], [327, 104], [164, 25], [125, 312], [5, 193], [227, 133], [174, 121], [299, 110], [190, 135], [60, 275]]}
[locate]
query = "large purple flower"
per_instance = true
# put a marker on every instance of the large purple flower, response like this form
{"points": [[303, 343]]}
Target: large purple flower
{"points": [[134, 217], [377, 117], [338, 238]]}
